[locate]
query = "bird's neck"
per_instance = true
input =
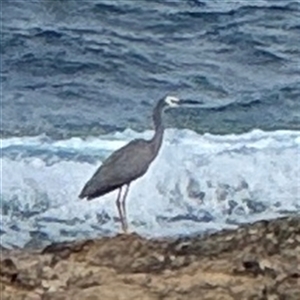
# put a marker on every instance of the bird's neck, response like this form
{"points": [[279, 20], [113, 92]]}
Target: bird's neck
{"points": [[158, 126]]}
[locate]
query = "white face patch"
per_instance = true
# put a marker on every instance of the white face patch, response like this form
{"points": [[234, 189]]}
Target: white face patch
{"points": [[172, 101]]}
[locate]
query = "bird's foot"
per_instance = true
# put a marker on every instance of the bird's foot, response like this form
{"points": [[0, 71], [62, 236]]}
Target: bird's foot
{"points": [[126, 231]]}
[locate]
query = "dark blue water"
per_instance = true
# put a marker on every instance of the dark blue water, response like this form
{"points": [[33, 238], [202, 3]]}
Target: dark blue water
{"points": [[78, 68]]}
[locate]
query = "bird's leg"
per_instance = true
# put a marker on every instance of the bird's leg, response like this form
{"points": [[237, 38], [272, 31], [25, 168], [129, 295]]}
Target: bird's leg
{"points": [[118, 203], [124, 206]]}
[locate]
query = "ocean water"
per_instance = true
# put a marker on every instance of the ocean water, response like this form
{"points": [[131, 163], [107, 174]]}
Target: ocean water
{"points": [[79, 80]]}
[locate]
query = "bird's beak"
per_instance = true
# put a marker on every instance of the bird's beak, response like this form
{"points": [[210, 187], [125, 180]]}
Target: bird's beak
{"points": [[189, 102]]}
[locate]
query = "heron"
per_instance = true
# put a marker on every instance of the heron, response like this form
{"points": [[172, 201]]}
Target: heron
{"points": [[130, 162]]}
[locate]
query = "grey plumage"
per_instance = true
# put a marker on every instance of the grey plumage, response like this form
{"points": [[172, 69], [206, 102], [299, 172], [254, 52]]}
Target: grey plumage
{"points": [[129, 162], [130, 167]]}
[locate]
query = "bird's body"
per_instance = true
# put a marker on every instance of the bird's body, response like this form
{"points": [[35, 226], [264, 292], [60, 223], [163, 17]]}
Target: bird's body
{"points": [[129, 162], [131, 167]]}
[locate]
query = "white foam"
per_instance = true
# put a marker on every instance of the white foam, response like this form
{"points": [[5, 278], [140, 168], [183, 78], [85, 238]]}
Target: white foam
{"points": [[197, 183]]}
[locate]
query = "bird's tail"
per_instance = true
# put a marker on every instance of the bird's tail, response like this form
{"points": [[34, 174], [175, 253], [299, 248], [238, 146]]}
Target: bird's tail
{"points": [[89, 191], [81, 195], [84, 193]]}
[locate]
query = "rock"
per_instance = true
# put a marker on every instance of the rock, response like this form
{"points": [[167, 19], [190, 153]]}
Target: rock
{"points": [[257, 261], [8, 270]]}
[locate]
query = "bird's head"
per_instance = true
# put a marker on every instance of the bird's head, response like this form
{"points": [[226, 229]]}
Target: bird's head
{"points": [[171, 101]]}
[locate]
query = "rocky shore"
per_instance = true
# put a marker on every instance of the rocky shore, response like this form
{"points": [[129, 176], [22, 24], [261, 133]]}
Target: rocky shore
{"points": [[257, 261]]}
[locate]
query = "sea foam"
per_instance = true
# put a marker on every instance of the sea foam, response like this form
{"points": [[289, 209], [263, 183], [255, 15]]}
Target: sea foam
{"points": [[197, 183]]}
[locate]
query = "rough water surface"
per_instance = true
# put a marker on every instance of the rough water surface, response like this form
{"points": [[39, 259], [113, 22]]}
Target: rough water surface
{"points": [[81, 68]]}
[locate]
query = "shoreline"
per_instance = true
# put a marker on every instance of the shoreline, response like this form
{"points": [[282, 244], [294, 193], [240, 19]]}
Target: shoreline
{"points": [[254, 261]]}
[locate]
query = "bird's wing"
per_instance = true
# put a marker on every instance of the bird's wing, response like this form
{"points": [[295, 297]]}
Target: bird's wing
{"points": [[126, 164]]}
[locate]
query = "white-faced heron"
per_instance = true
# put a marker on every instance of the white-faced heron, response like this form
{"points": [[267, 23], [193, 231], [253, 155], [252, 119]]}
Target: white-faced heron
{"points": [[130, 162]]}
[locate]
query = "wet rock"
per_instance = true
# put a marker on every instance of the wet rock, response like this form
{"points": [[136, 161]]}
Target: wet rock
{"points": [[258, 261], [8, 270]]}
